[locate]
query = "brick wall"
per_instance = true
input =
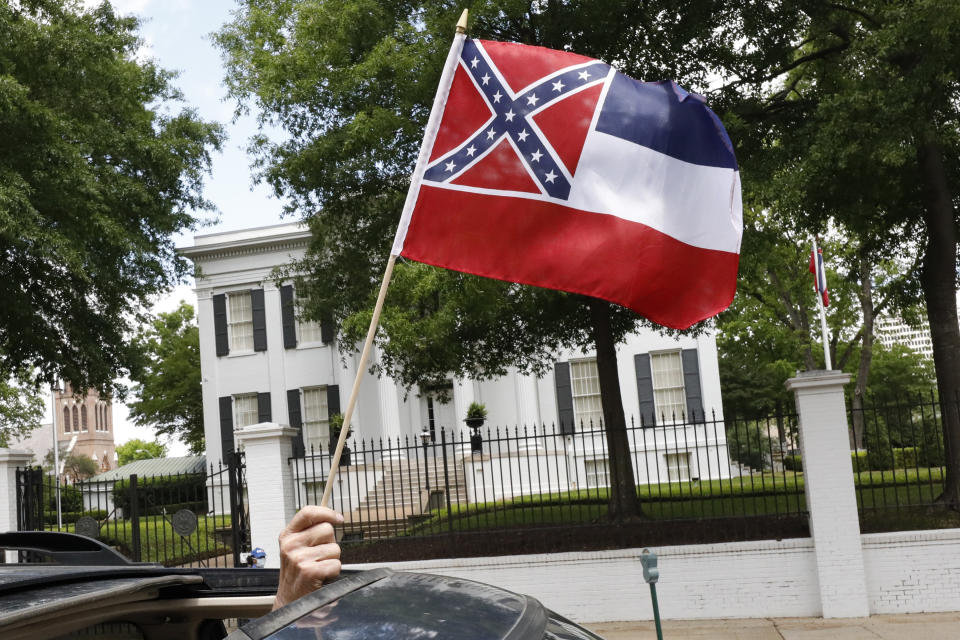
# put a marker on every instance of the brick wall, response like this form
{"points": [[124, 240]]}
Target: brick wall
{"points": [[906, 573], [913, 571]]}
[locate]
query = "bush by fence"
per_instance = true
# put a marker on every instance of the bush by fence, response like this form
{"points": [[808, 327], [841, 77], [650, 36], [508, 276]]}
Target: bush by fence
{"points": [[71, 517], [164, 494]]}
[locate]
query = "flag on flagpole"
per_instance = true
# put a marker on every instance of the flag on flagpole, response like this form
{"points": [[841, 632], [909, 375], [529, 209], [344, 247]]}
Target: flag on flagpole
{"points": [[552, 169], [820, 276]]}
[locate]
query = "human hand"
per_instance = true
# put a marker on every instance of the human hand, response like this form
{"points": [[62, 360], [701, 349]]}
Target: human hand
{"points": [[309, 553]]}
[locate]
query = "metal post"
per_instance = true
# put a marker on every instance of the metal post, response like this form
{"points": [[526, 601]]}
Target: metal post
{"points": [[234, 511], [446, 479], [648, 560], [56, 451], [134, 518]]}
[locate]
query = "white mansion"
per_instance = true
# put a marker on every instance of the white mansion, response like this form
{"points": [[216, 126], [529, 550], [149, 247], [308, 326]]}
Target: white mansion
{"points": [[260, 363]]}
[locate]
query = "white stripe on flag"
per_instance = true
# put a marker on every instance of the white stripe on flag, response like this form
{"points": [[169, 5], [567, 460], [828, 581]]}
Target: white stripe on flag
{"points": [[695, 204]]}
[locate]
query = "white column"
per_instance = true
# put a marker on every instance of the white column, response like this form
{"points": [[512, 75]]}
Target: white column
{"points": [[829, 487], [528, 401], [10, 460], [464, 393], [208, 373], [270, 486], [389, 401]]}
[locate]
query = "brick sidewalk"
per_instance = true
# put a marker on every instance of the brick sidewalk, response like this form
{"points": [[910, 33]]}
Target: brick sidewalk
{"points": [[917, 626]]}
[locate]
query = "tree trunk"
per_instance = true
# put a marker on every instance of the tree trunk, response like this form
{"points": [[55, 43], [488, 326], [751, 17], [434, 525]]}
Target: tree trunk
{"points": [[623, 487], [938, 277], [866, 353]]}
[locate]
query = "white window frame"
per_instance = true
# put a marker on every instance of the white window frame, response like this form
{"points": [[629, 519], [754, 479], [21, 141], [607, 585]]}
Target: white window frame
{"points": [[237, 400], [316, 430], [231, 323], [596, 473], [667, 412], [311, 328], [678, 466], [582, 416]]}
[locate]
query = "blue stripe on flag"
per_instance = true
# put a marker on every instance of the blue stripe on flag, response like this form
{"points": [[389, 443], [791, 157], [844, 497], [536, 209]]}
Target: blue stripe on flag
{"points": [[661, 116]]}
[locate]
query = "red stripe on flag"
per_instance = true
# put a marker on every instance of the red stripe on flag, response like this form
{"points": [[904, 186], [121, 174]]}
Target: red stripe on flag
{"points": [[549, 245]]}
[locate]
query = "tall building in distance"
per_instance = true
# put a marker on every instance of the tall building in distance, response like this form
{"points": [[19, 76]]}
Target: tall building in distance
{"points": [[89, 419], [891, 331]]}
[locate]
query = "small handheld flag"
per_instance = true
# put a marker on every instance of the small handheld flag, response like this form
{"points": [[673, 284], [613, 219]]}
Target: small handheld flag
{"points": [[552, 169]]}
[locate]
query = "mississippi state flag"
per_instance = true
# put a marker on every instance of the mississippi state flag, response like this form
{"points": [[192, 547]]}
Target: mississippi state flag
{"points": [[552, 169], [819, 275]]}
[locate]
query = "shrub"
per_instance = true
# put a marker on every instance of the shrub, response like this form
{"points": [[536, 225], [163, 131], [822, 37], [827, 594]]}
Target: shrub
{"points": [[750, 445], [793, 463], [159, 494], [71, 498], [71, 517]]}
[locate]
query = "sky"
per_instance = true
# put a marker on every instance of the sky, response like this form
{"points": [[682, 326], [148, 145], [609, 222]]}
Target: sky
{"points": [[176, 35]]}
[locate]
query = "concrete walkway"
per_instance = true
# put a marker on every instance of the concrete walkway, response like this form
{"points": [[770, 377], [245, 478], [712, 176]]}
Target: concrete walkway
{"points": [[916, 626]]}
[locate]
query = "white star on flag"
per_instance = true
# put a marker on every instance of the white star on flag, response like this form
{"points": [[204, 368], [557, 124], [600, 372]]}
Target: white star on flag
{"points": [[532, 100], [558, 85], [523, 135], [490, 134], [497, 96], [583, 75], [551, 176], [450, 166], [474, 62], [486, 78], [509, 115], [471, 150], [536, 155]]}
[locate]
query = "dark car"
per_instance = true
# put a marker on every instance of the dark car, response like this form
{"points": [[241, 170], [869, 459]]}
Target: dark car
{"points": [[78, 588]]}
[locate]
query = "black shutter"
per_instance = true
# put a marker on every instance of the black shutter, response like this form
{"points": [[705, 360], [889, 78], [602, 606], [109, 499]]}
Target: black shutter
{"points": [[289, 317], [648, 410], [259, 320], [691, 385], [561, 376], [220, 324], [263, 407], [333, 399], [296, 421], [226, 425], [328, 330]]}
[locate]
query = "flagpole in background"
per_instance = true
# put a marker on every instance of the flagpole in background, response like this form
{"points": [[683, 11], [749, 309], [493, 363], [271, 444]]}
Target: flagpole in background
{"points": [[430, 134], [819, 273]]}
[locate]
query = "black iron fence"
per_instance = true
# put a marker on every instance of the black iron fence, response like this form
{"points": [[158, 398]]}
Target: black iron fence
{"points": [[538, 489], [183, 519], [899, 463]]}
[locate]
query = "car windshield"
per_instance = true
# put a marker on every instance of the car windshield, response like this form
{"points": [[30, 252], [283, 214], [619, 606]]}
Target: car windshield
{"points": [[415, 606]]}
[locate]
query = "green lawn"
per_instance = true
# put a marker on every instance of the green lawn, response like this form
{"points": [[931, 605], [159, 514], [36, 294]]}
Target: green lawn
{"points": [[884, 497], [159, 543]]}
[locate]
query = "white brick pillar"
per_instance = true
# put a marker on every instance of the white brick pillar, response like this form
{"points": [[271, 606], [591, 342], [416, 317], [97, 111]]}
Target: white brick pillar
{"points": [[10, 460], [831, 499], [270, 486]]}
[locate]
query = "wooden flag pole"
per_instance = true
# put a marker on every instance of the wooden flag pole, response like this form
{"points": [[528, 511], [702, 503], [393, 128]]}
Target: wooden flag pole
{"points": [[361, 366], [433, 124]]}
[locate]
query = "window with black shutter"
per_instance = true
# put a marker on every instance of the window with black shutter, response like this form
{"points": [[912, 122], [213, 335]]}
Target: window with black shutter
{"points": [[561, 376], [288, 315], [220, 324], [691, 385], [259, 313], [648, 409], [296, 420], [226, 425], [264, 413]]}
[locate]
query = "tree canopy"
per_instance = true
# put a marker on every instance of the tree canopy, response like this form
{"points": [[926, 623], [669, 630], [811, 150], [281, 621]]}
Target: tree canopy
{"points": [[21, 410], [137, 449], [167, 393], [99, 169]]}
